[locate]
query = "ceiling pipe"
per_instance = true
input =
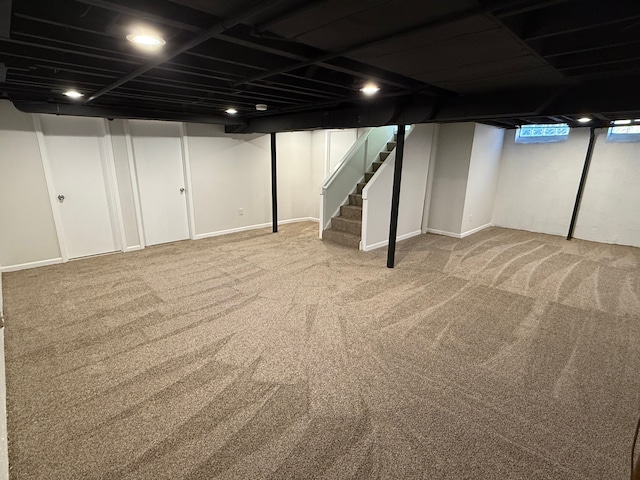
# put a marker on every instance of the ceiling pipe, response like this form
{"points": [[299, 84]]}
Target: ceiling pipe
{"points": [[202, 37], [114, 112]]}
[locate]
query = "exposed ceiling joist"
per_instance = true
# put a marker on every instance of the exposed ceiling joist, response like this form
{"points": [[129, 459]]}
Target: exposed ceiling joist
{"points": [[200, 38], [5, 18]]}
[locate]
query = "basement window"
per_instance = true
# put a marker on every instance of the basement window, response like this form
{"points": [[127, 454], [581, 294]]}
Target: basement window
{"points": [[542, 133], [626, 133]]}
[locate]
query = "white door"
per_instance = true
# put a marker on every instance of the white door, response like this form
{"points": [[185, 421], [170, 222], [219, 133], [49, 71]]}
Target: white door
{"points": [[157, 150], [76, 155]]}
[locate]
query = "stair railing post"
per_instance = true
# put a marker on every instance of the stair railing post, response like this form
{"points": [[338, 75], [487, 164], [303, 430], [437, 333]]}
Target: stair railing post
{"points": [[395, 198], [274, 184]]}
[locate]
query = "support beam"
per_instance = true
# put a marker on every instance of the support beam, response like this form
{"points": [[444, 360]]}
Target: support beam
{"points": [[217, 29], [395, 198], [583, 182], [274, 183], [5, 18]]}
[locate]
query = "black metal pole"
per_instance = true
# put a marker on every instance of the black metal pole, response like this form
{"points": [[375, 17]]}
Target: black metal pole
{"points": [[583, 182], [395, 198], [274, 184]]}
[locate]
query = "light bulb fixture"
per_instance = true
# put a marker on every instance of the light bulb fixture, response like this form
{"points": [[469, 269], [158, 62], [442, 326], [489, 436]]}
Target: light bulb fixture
{"points": [[261, 107], [622, 122], [584, 119], [74, 94], [231, 111], [370, 89], [145, 38]]}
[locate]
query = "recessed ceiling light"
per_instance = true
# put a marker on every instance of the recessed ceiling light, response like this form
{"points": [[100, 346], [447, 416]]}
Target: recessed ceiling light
{"points": [[261, 107], [622, 122], [146, 39], [584, 119], [370, 89], [231, 111], [73, 94]]}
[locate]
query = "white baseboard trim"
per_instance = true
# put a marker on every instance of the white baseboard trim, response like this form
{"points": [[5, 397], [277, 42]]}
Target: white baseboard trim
{"points": [[475, 230], [200, 236], [459, 235], [368, 248], [134, 248], [24, 266]]}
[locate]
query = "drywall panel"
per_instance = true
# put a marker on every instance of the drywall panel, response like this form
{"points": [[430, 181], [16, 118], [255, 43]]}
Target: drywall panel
{"points": [[125, 185], [455, 141], [538, 183], [484, 170], [296, 197], [28, 230], [609, 209], [415, 166], [231, 177], [339, 142]]}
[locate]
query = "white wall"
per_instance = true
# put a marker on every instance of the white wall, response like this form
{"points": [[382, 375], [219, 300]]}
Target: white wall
{"points": [[229, 172], [338, 144], [28, 232], [377, 193], [484, 169], [450, 176], [538, 185], [233, 172], [125, 186]]}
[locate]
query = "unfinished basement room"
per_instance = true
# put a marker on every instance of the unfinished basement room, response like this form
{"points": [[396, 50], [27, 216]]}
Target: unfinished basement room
{"points": [[319, 239]]}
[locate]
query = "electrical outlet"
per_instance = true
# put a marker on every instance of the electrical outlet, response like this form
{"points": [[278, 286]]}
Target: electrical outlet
{"points": [[241, 211]]}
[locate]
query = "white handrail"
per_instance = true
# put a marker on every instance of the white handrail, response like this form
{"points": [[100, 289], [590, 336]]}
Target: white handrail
{"points": [[345, 159]]}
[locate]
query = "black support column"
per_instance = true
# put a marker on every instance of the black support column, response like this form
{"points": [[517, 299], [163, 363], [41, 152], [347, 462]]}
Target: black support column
{"points": [[274, 183], [395, 198], [583, 181]]}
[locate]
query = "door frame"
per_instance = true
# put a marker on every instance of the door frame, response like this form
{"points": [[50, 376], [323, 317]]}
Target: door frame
{"points": [[186, 176], [107, 161]]}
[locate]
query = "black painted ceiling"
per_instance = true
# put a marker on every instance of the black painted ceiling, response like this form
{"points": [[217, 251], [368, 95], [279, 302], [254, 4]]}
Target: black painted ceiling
{"points": [[503, 62]]}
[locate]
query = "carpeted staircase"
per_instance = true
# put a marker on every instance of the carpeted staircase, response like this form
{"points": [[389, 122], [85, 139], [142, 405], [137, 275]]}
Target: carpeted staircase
{"points": [[346, 228]]}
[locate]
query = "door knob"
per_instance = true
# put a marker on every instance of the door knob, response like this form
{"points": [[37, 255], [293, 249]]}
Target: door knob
{"points": [[61, 198], [182, 190]]}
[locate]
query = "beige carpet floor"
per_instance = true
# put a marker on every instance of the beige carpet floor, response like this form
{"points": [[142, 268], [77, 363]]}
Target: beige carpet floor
{"points": [[505, 355]]}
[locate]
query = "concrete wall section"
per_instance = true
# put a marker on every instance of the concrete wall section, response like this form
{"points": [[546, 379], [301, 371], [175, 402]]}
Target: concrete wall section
{"points": [[538, 183], [28, 229], [611, 199]]}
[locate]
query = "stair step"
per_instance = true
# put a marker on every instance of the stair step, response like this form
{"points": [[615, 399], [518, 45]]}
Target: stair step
{"points": [[360, 186], [343, 224], [355, 199], [376, 166], [341, 238], [391, 146], [352, 212], [384, 155], [368, 176]]}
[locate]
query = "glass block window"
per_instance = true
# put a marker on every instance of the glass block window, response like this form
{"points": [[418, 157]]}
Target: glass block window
{"points": [[624, 133], [557, 132]]}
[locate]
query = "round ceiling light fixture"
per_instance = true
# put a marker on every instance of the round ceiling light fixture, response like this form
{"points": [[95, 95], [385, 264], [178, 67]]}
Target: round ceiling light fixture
{"points": [[261, 107], [370, 89], [146, 38], [231, 111], [74, 94], [584, 119]]}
